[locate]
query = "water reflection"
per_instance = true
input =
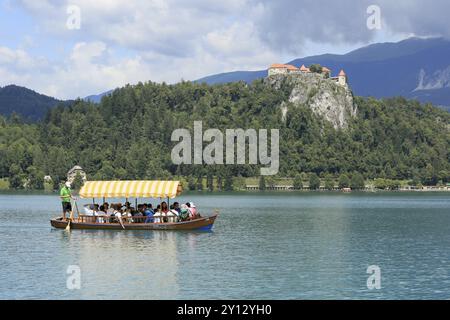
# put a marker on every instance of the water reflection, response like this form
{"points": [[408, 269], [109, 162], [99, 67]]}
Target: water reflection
{"points": [[142, 264], [264, 246]]}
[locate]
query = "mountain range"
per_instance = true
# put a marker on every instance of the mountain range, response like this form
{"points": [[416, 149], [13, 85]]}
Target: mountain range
{"points": [[415, 68]]}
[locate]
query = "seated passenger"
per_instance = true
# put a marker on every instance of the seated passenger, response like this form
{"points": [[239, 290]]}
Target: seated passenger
{"points": [[118, 212], [176, 206], [128, 209], [157, 214], [184, 212], [149, 214], [93, 212], [139, 212], [106, 207], [173, 210], [164, 211], [88, 209], [101, 214], [148, 209], [110, 212], [109, 209], [172, 215], [192, 210], [102, 210]]}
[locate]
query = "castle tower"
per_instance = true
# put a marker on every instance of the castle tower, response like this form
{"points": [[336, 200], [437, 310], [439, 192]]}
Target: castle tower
{"points": [[304, 69], [342, 78]]}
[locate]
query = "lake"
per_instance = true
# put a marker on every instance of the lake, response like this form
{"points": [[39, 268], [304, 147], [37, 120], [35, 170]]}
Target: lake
{"points": [[263, 246]]}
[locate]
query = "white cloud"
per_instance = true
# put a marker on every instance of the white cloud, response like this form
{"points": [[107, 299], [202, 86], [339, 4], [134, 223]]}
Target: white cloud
{"points": [[168, 27], [92, 67], [19, 59], [89, 69], [174, 27], [165, 40]]}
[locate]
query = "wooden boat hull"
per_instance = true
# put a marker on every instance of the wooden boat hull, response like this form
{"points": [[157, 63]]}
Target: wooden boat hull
{"points": [[200, 224]]}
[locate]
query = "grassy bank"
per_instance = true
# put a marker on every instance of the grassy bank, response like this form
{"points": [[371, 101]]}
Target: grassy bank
{"points": [[4, 184], [283, 184]]}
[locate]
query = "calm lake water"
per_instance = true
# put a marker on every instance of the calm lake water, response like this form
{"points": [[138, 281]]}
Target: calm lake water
{"points": [[264, 246]]}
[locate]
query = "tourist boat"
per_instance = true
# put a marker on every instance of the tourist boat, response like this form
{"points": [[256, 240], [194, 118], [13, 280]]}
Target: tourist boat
{"points": [[131, 189]]}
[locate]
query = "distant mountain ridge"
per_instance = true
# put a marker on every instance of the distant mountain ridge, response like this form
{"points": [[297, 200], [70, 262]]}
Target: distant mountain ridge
{"points": [[25, 102], [96, 98], [32, 105], [415, 68]]}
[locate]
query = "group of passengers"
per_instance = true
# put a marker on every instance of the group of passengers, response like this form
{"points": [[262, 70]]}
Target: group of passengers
{"points": [[116, 212]]}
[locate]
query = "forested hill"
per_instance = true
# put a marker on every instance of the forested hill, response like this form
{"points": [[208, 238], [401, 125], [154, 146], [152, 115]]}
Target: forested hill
{"points": [[25, 102], [127, 135]]}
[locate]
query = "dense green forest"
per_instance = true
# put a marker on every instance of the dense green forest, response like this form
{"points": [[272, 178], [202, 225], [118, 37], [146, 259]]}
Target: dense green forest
{"points": [[127, 136]]}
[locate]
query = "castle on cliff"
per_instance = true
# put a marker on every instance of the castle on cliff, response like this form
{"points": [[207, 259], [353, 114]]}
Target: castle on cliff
{"points": [[277, 68]]}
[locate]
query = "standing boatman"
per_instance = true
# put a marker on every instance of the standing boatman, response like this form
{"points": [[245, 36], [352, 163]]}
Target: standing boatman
{"points": [[66, 196]]}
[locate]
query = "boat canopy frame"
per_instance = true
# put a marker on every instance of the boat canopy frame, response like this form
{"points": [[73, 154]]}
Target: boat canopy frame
{"points": [[131, 189]]}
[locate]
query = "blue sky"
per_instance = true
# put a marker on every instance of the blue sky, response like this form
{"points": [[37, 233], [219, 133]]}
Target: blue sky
{"points": [[122, 42]]}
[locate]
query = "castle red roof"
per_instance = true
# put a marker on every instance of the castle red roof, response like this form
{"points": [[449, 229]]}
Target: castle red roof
{"points": [[342, 74], [278, 66], [283, 66]]}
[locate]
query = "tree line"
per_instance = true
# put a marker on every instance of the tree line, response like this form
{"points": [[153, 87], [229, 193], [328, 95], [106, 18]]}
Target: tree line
{"points": [[127, 136]]}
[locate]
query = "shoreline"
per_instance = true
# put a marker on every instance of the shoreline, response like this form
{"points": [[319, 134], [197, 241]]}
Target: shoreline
{"points": [[293, 192]]}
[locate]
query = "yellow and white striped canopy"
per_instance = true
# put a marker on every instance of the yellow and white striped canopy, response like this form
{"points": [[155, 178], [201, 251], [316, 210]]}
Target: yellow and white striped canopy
{"points": [[125, 189]]}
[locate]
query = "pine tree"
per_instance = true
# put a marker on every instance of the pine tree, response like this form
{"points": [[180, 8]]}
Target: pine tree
{"points": [[228, 184], [314, 182], [262, 183], [210, 182], [77, 182], [298, 182], [344, 181]]}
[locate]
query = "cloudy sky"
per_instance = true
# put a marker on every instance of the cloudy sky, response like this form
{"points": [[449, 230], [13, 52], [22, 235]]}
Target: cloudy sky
{"points": [[120, 42]]}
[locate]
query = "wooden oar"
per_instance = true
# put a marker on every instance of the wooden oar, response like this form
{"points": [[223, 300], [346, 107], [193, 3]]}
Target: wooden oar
{"points": [[120, 220], [68, 225], [70, 220], [76, 206]]}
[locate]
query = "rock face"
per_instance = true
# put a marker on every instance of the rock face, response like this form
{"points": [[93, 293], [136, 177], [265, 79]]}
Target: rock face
{"points": [[332, 101]]}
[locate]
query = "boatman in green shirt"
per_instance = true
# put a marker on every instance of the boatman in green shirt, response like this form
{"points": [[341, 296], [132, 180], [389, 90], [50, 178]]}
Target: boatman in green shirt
{"points": [[66, 197]]}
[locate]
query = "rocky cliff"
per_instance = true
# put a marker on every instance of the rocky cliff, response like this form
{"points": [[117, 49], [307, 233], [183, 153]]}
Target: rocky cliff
{"points": [[325, 97]]}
